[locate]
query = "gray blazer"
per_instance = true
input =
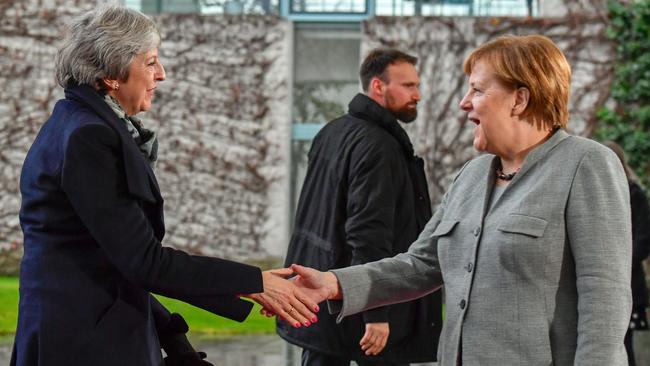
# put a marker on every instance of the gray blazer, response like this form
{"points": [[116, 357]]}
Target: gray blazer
{"points": [[541, 277]]}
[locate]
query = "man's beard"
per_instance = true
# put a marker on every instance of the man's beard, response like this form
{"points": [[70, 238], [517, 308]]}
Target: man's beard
{"points": [[403, 113]]}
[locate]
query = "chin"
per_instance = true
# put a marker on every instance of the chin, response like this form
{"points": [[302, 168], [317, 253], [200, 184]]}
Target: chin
{"points": [[480, 147]]}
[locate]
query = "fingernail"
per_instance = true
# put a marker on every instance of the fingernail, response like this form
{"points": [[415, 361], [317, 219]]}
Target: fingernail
{"points": [[307, 323], [316, 309], [296, 325], [314, 319]]}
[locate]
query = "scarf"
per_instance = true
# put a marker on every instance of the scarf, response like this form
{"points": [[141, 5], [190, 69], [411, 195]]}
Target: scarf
{"points": [[146, 140]]}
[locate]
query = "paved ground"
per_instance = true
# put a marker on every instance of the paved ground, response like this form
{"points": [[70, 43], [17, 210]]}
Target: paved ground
{"points": [[272, 351]]}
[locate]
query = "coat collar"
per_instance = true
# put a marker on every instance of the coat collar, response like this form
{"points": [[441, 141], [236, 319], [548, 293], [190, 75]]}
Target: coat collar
{"points": [[365, 108], [140, 178]]}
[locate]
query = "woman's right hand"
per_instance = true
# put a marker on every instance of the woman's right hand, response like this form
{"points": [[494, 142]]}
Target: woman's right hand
{"points": [[318, 286], [284, 298]]}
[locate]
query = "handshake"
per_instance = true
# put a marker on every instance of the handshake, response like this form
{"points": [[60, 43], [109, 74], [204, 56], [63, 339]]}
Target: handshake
{"points": [[294, 293]]}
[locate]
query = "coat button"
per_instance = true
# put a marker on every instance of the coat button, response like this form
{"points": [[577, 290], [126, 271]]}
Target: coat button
{"points": [[477, 231], [462, 304], [470, 267]]}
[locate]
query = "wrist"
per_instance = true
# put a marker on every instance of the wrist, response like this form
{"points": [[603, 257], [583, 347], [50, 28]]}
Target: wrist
{"points": [[333, 286]]}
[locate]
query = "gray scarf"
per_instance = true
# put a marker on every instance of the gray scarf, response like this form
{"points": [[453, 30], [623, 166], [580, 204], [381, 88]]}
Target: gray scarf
{"points": [[146, 140]]}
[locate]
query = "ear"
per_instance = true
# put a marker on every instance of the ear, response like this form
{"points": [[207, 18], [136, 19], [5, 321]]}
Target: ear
{"points": [[522, 96], [110, 84], [376, 87]]}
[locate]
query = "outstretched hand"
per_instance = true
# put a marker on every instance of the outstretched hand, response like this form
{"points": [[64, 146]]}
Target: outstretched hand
{"points": [[318, 286], [286, 299]]}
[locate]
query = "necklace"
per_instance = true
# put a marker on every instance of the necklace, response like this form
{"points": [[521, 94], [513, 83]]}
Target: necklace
{"points": [[501, 175]]}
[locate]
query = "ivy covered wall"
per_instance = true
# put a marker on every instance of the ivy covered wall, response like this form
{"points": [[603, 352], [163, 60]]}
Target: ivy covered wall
{"points": [[222, 116]]}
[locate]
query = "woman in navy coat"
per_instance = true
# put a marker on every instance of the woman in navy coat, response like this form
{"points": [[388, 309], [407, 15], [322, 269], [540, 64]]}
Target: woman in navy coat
{"points": [[92, 218]]}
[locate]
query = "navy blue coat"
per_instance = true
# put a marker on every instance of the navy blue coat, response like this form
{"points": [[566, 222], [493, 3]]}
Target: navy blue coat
{"points": [[92, 218]]}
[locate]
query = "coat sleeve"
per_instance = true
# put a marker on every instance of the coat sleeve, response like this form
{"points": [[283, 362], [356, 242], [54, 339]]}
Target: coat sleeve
{"points": [[371, 201], [93, 179], [599, 234]]}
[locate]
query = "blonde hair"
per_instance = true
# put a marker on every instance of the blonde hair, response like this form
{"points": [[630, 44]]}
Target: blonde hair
{"points": [[533, 62]]}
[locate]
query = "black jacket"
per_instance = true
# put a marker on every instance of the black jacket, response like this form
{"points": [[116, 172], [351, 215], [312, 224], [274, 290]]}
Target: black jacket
{"points": [[364, 198], [640, 243], [92, 218]]}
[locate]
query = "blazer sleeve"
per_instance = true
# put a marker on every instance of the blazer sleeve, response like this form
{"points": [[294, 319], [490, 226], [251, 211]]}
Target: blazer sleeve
{"points": [[404, 277], [370, 210], [93, 179], [599, 234]]}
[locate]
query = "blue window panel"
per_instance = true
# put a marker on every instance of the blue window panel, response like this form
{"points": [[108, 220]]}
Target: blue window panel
{"points": [[305, 131], [325, 11]]}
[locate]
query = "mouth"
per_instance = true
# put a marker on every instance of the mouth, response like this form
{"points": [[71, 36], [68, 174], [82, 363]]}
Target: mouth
{"points": [[474, 120]]}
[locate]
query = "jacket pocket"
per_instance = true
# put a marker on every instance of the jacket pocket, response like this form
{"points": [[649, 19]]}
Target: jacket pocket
{"points": [[444, 237], [523, 224], [444, 228], [119, 338]]}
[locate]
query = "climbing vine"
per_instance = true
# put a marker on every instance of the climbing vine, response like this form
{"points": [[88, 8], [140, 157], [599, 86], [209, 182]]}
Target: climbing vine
{"points": [[628, 121]]}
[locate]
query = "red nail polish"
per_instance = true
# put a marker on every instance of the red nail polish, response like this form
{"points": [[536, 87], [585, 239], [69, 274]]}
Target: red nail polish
{"points": [[307, 323], [314, 319], [316, 308], [296, 325]]}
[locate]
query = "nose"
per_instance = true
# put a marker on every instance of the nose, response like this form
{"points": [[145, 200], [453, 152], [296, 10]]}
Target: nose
{"points": [[160, 73], [465, 103], [416, 95]]}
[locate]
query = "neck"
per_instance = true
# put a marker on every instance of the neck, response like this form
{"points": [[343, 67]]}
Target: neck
{"points": [[528, 139], [376, 98]]}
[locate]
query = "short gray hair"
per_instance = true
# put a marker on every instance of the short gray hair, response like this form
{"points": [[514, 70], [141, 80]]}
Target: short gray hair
{"points": [[102, 44]]}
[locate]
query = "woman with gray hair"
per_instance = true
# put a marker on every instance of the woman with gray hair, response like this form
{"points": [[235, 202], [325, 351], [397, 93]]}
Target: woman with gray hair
{"points": [[92, 219]]}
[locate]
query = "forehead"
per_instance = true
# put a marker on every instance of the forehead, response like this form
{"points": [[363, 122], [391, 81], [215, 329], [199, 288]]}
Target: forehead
{"points": [[402, 70], [482, 73], [148, 54]]}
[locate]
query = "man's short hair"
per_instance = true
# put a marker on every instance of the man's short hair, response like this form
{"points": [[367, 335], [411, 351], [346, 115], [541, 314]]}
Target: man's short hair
{"points": [[378, 60]]}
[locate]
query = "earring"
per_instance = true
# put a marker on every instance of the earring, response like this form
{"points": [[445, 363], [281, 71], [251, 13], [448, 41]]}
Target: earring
{"points": [[116, 86]]}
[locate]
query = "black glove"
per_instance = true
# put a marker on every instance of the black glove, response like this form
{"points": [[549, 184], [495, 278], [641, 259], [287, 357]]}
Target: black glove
{"points": [[178, 349]]}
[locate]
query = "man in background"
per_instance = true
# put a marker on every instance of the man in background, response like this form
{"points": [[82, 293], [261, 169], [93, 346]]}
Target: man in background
{"points": [[365, 198]]}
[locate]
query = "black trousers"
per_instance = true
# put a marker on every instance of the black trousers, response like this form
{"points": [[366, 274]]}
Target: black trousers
{"points": [[311, 358]]}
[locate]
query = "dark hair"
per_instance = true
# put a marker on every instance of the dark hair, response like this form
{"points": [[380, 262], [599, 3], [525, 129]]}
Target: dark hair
{"points": [[377, 61]]}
